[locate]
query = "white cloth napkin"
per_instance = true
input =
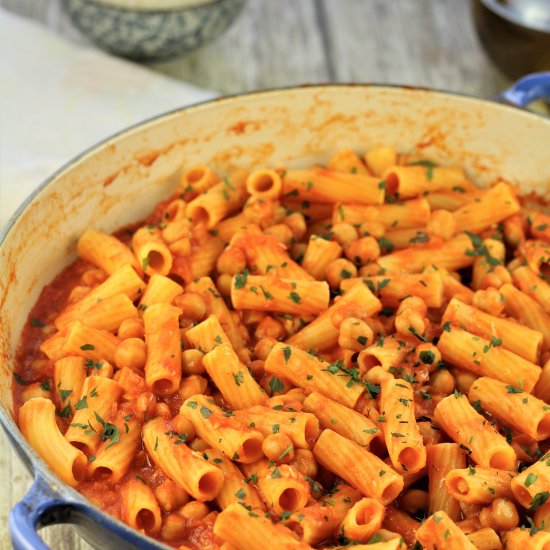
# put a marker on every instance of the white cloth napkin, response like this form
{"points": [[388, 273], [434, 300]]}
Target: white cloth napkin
{"points": [[57, 99]]}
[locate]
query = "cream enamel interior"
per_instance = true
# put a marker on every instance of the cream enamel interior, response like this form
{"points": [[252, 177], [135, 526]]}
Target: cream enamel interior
{"points": [[119, 181]]}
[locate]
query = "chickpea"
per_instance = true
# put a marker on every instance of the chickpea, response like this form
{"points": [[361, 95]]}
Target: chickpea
{"points": [[463, 380], [182, 425], [163, 410], [231, 261], [278, 447], [198, 445], [338, 270], [354, 334], [131, 353], [173, 527], [269, 327], [192, 385], [442, 224], [191, 362], [170, 496], [363, 250], [442, 382], [408, 320], [282, 232], [501, 515], [344, 233], [223, 284], [194, 510], [490, 300], [257, 368], [131, 328], [263, 347], [297, 224], [192, 305]]}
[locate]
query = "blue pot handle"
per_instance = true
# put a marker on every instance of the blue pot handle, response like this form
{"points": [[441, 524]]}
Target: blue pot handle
{"points": [[528, 89], [41, 506]]}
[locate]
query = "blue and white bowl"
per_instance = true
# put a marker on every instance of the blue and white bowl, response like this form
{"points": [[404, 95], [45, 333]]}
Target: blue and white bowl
{"points": [[152, 29]]}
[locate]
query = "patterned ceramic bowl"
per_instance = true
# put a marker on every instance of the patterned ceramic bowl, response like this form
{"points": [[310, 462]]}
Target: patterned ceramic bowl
{"points": [[146, 30]]}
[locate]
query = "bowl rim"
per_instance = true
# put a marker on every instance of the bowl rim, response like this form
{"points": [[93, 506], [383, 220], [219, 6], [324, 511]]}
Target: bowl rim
{"points": [[194, 4], [515, 17], [36, 464]]}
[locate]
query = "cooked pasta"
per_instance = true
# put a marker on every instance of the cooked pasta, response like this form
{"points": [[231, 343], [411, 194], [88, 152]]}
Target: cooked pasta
{"points": [[305, 358]]}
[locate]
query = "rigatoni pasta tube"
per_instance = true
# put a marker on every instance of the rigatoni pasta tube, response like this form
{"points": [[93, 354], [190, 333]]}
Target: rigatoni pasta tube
{"points": [[313, 374], [109, 313], [362, 520], [412, 181], [248, 530], [232, 378], [207, 335], [514, 337], [318, 522], [218, 202], [69, 374], [160, 289], [90, 343], [440, 532], [535, 287], [451, 254], [140, 508], [234, 484], [441, 459], [162, 337], [392, 288], [268, 293], [342, 419], [319, 254], [527, 310], [324, 185], [265, 184], [266, 254], [524, 412], [399, 522], [282, 486], [403, 439], [347, 160], [360, 468], [37, 422], [203, 481], [124, 281], [322, 333], [487, 358], [215, 305], [152, 252], [467, 427], [533, 481], [112, 462], [494, 206], [105, 251], [301, 427], [478, 485], [92, 412], [403, 215], [224, 433]]}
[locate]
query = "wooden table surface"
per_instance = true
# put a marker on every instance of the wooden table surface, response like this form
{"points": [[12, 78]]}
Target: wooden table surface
{"points": [[283, 42]]}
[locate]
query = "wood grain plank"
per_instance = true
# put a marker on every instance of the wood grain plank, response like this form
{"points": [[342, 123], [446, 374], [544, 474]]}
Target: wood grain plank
{"points": [[271, 44], [421, 43]]}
